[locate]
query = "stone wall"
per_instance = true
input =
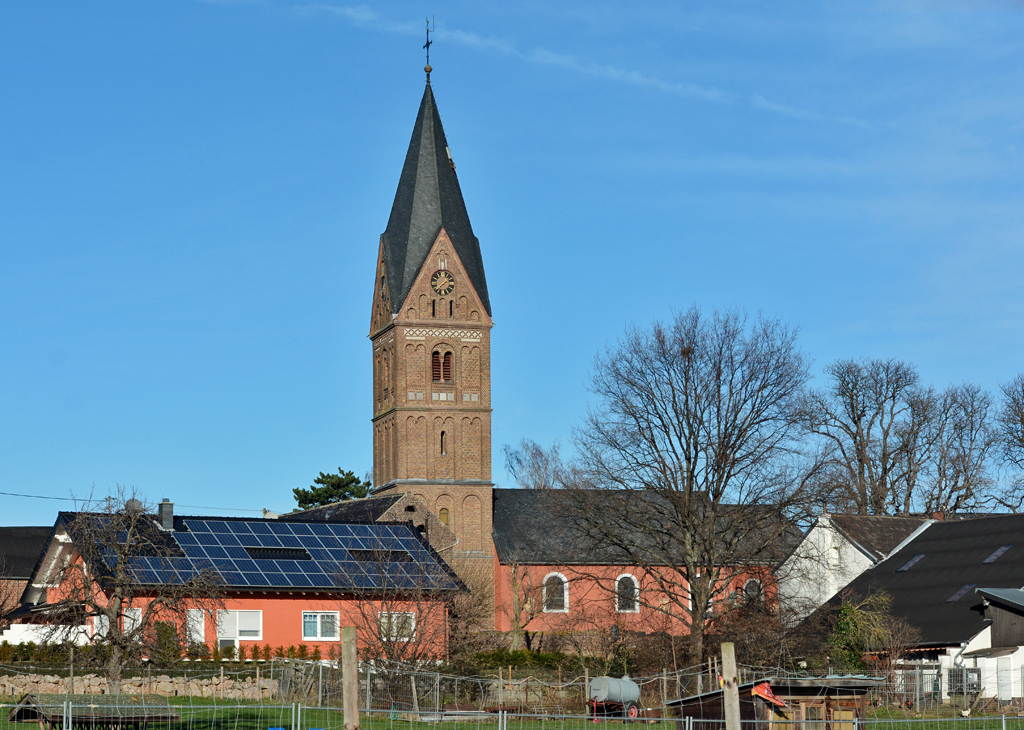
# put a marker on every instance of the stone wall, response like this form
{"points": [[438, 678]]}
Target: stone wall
{"points": [[230, 688]]}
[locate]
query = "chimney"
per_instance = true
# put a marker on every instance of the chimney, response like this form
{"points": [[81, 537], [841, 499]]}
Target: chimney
{"points": [[165, 511]]}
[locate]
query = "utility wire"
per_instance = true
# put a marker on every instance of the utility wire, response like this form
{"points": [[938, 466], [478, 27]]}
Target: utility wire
{"points": [[190, 506]]}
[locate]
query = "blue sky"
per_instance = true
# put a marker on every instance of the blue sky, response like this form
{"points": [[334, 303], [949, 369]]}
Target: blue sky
{"points": [[192, 194]]}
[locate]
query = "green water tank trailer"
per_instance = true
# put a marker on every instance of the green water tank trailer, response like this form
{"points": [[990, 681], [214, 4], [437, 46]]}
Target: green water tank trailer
{"points": [[608, 689]]}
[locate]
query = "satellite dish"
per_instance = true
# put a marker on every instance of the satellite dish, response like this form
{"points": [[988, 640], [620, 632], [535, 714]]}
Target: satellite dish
{"points": [[134, 505]]}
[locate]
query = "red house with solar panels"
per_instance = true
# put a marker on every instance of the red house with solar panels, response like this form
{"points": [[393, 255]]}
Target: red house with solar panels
{"points": [[278, 583]]}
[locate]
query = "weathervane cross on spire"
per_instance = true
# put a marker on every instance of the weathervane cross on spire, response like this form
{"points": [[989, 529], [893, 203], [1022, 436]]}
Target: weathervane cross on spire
{"points": [[427, 46]]}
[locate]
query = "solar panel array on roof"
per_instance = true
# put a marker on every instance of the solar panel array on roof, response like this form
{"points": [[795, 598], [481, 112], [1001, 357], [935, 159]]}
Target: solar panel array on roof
{"points": [[287, 555]]}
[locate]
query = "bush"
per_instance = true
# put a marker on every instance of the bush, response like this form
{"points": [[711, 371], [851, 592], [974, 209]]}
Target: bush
{"points": [[242, 652], [164, 646], [302, 652]]}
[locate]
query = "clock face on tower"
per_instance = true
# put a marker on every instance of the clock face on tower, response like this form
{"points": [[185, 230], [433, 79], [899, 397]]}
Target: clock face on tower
{"points": [[442, 282]]}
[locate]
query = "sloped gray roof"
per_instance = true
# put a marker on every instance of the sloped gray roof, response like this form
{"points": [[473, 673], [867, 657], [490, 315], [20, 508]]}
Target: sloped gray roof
{"points": [[428, 198], [878, 534], [369, 509], [554, 527], [19, 550], [954, 555]]}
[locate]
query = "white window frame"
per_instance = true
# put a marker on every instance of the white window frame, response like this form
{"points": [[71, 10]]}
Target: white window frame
{"points": [[636, 594], [195, 619], [227, 626], [565, 594], [100, 625], [319, 626], [131, 619], [387, 632]]}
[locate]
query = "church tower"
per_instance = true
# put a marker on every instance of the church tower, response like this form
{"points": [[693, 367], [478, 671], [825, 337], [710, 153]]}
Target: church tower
{"points": [[430, 327]]}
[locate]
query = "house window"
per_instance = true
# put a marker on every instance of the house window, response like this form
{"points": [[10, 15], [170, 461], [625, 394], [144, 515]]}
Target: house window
{"points": [[196, 619], [627, 595], [235, 625], [397, 625], [556, 593], [132, 620], [319, 625], [443, 515], [100, 625], [435, 366], [446, 367]]}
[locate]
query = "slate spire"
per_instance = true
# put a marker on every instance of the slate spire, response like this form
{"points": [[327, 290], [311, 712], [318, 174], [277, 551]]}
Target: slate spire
{"points": [[429, 198]]}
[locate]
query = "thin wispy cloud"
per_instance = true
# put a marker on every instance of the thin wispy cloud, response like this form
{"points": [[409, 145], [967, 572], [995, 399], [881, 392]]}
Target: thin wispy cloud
{"points": [[365, 17]]}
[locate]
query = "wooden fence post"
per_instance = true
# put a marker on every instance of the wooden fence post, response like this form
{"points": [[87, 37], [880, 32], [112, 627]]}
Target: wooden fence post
{"points": [[732, 687], [350, 677]]}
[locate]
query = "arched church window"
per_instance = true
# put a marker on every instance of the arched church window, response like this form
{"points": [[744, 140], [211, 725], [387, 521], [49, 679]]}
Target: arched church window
{"points": [[443, 515], [627, 595], [435, 366], [444, 445], [433, 307], [446, 368], [451, 308], [556, 593]]}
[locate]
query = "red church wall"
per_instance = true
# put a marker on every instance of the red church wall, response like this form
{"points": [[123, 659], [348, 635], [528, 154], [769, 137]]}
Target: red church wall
{"points": [[591, 599]]}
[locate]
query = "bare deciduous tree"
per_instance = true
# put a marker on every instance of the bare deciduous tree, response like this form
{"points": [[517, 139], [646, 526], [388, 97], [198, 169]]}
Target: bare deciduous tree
{"points": [[691, 452], [871, 418], [533, 466], [1011, 440], [960, 441], [526, 600], [405, 619], [121, 571]]}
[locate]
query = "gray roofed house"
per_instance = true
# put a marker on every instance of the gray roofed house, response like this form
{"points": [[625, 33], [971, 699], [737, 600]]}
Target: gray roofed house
{"points": [[835, 550], [428, 199], [958, 583]]}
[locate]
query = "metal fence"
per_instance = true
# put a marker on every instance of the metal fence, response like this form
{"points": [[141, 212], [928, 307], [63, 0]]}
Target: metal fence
{"points": [[297, 716]]}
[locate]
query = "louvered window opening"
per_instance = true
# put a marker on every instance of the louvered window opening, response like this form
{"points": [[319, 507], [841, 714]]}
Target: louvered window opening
{"points": [[446, 368], [277, 553], [435, 366]]}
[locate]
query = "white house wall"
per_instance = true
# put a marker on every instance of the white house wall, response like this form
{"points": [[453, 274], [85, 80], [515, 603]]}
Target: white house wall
{"points": [[822, 565]]}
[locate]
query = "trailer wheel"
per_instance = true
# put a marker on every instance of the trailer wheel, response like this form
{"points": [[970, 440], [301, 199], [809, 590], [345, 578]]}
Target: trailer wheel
{"points": [[631, 711]]}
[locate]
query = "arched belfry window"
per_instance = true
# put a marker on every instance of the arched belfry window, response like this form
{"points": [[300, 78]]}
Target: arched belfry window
{"points": [[446, 368], [433, 307], [556, 593], [451, 308], [443, 515], [435, 366], [627, 594], [444, 443]]}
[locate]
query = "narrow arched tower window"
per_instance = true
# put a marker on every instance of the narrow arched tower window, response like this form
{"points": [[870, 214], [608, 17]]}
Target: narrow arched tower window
{"points": [[443, 515], [446, 368], [444, 444], [435, 366], [451, 308], [433, 307]]}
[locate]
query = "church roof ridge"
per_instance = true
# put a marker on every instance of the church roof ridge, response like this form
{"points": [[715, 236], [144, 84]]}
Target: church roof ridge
{"points": [[428, 199]]}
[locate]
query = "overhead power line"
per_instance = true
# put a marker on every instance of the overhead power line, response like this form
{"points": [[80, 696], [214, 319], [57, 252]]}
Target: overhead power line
{"points": [[190, 506]]}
